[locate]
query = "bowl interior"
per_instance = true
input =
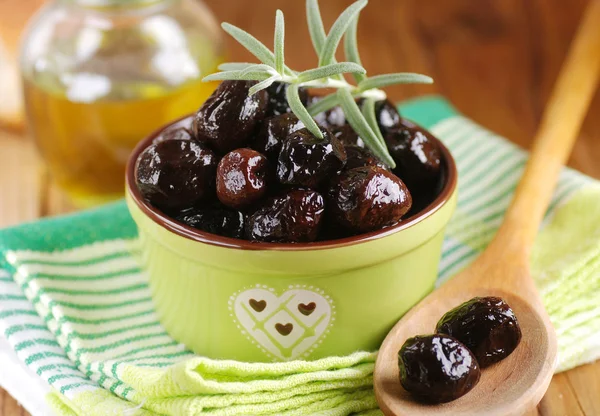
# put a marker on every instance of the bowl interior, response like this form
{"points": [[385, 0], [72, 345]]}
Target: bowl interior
{"points": [[448, 187]]}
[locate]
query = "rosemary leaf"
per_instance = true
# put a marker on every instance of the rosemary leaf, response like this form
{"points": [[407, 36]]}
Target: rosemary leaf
{"points": [[324, 104], [317, 30], [368, 111], [337, 32], [236, 76], [315, 25], [330, 70], [351, 47], [295, 103], [263, 84], [257, 68], [256, 47], [380, 81], [253, 45], [234, 66], [279, 42], [361, 126]]}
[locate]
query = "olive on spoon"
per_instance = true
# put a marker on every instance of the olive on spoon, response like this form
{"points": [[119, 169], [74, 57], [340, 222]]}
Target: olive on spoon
{"points": [[516, 384]]}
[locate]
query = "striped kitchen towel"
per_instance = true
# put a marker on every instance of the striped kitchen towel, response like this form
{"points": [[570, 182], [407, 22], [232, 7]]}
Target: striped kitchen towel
{"points": [[77, 310]]}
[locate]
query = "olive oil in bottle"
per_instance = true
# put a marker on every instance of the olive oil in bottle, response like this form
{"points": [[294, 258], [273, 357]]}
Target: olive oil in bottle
{"points": [[100, 75], [86, 145]]}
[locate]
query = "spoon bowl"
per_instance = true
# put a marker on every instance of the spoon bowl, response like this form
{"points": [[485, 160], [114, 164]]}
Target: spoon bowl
{"points": [[526, 372], [516, 384]]}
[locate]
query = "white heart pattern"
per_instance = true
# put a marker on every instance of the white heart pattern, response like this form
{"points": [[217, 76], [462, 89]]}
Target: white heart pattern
{"points": [[286, 326]]}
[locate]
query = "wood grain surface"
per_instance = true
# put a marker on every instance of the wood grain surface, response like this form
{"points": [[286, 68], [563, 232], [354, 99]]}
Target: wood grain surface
{"points": [[496, 60]]}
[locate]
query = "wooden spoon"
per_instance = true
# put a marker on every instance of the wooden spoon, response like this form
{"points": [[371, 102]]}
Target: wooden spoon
{"points": [[518, 383]]}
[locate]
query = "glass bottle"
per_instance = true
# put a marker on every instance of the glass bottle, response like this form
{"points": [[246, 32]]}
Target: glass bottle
{"points": [[100, 75]]}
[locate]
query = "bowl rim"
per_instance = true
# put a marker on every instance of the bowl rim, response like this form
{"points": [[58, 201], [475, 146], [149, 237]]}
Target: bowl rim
{"points": [[199, 236]]}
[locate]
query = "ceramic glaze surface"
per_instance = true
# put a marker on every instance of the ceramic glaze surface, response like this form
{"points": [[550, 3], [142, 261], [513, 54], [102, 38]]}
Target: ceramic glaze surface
{"points": [[272, 305]]}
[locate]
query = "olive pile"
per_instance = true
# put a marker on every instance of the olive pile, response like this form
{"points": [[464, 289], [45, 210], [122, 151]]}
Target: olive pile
{"points": [[248, 168], [447, 365]]}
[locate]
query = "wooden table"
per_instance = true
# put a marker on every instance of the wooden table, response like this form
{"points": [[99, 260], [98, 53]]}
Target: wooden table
{"points": [[495, 60]]}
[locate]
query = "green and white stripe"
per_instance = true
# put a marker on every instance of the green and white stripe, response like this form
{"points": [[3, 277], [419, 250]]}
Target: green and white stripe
{"points": [[77, 310]]}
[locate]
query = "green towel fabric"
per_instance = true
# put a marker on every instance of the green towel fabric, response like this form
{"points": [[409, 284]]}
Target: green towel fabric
{"points": [[77, 309]]}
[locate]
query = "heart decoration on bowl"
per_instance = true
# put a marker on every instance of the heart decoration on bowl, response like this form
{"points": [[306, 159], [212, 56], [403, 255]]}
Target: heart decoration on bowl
{"points": [[286, 326], [258, 305], [284, 329], [307, 309]]}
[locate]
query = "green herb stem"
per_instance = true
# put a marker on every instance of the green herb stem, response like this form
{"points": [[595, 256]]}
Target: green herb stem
{"points": [[328, 74], [351, 47], [361, 126], [279, 42], [293, 97]]}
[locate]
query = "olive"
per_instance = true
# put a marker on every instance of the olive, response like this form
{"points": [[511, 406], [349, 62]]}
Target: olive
{"points": [[387, 116], [437, 368], [273, 132], [348, 136], [241, 178], [367, 198], [356, 152], [417, 156], [305, 160], [278, 103], [218, 220], [229, 117], [331, 118], [179, 133], [176, 174], [294, 217], [357, 157], [487, 326]]}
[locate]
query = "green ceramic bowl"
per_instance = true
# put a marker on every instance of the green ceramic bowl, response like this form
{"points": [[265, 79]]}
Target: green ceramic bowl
{"points": [[234, 299]]}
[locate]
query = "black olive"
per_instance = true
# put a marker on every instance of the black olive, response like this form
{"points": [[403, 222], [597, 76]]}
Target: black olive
{"points": [[348, 136], [229, 117], [387, 116], [241, 178], [278, 103], [359, 156], [487, 326], [367, 198], [216, 219], [437, 368], [176, 174], [305, 160], [273, 132], [180, 133], [332, 118], [356, 152], [294, 217], [417, 156]]}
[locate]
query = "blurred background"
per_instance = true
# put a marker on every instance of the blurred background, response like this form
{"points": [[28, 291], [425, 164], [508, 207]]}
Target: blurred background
{"points": [[495, 60]]}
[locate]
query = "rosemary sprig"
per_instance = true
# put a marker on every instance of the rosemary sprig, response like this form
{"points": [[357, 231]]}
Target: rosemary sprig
{"points": [[337, 31], [300, 111], [328, 74], [351, 47], [279, 42], [358, 123]]}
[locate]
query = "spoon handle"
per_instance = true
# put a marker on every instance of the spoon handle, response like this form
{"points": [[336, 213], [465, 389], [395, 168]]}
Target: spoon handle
{"points": [[561, 122]]}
